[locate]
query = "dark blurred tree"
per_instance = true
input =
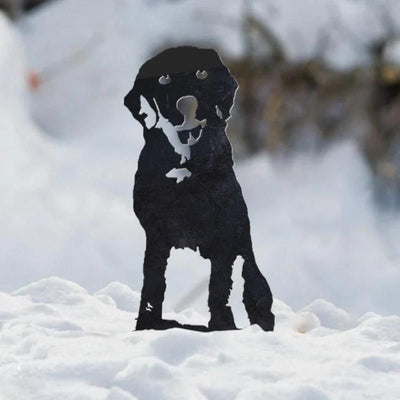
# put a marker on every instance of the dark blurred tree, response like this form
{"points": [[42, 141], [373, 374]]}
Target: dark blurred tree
{"points": [[15, 8], [285, 105]]}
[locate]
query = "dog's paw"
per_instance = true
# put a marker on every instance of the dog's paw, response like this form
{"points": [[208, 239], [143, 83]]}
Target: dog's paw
{"points": [[159, 325], [222, 320]]}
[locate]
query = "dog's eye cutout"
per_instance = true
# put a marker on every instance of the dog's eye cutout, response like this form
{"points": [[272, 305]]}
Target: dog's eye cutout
{"points": [[201, 75], [164, 80]]}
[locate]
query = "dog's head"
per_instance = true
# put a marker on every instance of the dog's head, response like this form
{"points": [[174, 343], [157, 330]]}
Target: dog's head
{"points": [[177, 73], [182, 91]]}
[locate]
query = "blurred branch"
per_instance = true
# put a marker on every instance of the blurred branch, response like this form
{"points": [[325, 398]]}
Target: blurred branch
{"points": [[251, 23], [14, 8]]}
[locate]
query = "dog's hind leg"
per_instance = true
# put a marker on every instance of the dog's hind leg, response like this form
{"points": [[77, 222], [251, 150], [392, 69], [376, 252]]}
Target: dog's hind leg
{"points": [[155, 262], [257, 296], [219, 291]]}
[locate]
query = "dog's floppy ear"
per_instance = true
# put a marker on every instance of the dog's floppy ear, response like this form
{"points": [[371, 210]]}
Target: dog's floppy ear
{"points": [[132, 103], [141, 108], [226, 103]]}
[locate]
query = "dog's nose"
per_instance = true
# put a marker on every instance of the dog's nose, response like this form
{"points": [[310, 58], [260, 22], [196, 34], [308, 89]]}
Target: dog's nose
{"points": [[187, 106]]}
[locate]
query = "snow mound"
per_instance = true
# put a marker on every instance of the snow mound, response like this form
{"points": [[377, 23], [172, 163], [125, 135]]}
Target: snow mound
{"points": [[53, 290], [330, 315], [380, 364], [381, 328], [306, 321], [123, 296], [89, 351]]}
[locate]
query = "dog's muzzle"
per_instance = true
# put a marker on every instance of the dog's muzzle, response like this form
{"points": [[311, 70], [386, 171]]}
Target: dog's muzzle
{"points": [[181, 137]]}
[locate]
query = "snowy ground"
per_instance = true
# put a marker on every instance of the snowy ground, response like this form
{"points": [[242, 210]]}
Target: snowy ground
{"points": [[59, 342], [66, 212]]}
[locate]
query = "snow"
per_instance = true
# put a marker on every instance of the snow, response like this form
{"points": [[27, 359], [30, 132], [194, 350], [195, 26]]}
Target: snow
{"points": [[71, 248], [329, 315], [59, 341], [123, 296]]}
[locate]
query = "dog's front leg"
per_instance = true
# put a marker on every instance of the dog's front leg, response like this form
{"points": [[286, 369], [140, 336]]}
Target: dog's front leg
{"points": [[155, 262], [219, 291]]}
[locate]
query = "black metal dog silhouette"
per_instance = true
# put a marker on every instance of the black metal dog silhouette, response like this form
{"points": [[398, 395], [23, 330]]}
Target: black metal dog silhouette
{"points": [[186, 193]]}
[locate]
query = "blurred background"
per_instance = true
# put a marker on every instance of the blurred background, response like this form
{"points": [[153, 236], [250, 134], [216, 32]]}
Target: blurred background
{"points": [[315, 133]]}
